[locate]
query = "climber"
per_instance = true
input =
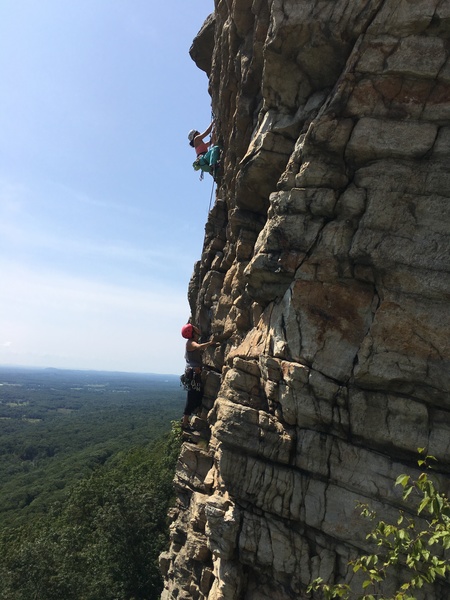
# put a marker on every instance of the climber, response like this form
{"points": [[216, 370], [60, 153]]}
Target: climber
{"points": [[193, 372], [207, 153]]}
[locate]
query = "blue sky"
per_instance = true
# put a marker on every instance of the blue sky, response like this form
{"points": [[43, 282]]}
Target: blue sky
{"points": [[101, 214]]}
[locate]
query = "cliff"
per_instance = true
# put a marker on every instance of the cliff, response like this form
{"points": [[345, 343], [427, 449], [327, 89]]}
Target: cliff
{"points": [[325, 276]]}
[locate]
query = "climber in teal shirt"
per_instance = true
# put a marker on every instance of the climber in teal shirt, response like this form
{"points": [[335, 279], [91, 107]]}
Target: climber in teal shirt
{"points": [[207, 153]]}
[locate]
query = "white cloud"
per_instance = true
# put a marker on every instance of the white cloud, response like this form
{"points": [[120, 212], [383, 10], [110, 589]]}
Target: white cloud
{"points": [[72, 195], [18, 229], [19, 235]]}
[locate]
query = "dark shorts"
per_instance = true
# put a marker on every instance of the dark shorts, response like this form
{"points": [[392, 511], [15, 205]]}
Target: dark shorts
{"points": [[193, 401], [194, 394]]}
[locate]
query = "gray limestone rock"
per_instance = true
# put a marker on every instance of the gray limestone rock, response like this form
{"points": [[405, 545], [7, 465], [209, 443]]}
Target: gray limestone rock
{"points": [[325, 277]]}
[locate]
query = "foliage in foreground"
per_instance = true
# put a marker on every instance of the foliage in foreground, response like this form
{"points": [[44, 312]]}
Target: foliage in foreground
{"points": [[422, 552], [104, 541]]}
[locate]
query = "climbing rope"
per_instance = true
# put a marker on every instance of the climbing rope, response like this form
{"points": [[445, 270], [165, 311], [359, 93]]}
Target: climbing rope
{"points": [[210, 198], [213, 118]]}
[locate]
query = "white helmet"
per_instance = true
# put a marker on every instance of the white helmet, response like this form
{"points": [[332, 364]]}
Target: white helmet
{"points": [[191, 134]]}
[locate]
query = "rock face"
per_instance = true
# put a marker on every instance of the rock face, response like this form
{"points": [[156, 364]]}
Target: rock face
{"points": [[325, 276]]}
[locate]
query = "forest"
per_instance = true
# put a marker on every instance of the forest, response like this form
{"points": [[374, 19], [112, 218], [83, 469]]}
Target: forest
{"points": [[86, 463]]}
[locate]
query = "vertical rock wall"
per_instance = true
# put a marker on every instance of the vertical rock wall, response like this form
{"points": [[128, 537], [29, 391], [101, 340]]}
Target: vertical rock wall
{"points": [[325, 275]]}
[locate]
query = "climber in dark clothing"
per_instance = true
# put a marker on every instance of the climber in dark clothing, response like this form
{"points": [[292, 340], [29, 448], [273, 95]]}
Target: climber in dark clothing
{"points": [[193, 371]]}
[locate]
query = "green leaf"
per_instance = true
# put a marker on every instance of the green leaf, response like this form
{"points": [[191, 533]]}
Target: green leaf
{"points": [[407, 492], [405, 586], [402, 480], [423, 504]]}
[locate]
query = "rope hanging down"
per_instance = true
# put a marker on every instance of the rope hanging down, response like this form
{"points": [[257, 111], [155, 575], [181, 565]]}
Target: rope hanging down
{"points": [[210, 198], [213, 117]]}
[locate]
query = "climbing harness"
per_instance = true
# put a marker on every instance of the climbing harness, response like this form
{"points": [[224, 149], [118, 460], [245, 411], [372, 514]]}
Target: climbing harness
{"points": [[202, 165], [191, 380]]}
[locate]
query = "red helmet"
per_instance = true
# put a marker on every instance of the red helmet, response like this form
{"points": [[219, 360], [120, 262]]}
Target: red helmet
{"points": [[187, 331]]}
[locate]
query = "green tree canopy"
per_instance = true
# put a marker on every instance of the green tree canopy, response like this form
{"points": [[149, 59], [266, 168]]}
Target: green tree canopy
{"points": [[104, 540]]}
